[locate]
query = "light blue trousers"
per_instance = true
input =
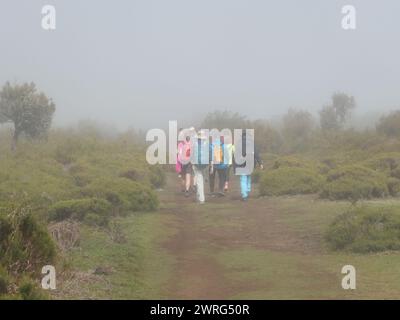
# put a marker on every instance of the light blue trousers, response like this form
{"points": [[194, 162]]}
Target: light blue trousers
{"points": [[245, 185]]}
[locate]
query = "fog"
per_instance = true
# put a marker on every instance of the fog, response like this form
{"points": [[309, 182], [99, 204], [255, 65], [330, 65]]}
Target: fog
{"points": [[142, 63]]}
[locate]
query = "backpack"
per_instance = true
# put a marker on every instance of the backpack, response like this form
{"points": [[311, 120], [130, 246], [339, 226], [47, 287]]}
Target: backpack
{"points": [[217, 154], [187, 151], [184, 152]]}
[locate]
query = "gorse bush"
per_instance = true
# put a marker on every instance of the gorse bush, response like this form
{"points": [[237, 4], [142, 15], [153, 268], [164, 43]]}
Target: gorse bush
{"points": [[4, 281], [299, 162], [289, 175], [387, 163], [256, 176], [5, 231], [37, 246], [394, 186], [345, 177], [40, 178], [157, 176], [29, 290], [353, 183], [365, 229], [28, 248], [124, 194], [93, 210], [25, 245], [289, 181]]}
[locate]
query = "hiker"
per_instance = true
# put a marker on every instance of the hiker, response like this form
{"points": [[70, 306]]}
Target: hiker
{"points": [[193, 135], [230, 149], [242, 170], [218, 164], [200, 162], [178, 165], [184, 159]]}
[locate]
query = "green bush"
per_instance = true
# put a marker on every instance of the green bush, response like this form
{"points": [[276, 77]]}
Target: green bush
{"points": [[5, 231], [157, 176], [256, 176], [29, 290], [389, 124], [4, 281], [132, 174], [124, 194], [365, 229], [81, 174], [93, 219], [387, 163], [37, 241], [394, 186], [79, 209], [298, 162], [289, 181], [353, 183], [28, 244]]}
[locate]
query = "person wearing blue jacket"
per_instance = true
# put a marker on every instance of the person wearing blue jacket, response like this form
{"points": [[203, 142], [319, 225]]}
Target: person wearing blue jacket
{"points": [[219, 163]]}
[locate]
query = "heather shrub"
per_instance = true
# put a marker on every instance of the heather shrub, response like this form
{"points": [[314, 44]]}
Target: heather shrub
{"points": [[365, 229], [290, 181], [354, 182]]}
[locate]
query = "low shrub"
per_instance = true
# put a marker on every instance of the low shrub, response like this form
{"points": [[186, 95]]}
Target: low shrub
{"points": [[4, 281], [365, 229], [132, 174], [27, 246], [394, 186], [387, 163], [124, 194], [289, 181], [29, 290], [157, 176], [353, 183], [256, 175], [66, 234], [5, 232], [89, 210], [37, 243], [298, 162]]}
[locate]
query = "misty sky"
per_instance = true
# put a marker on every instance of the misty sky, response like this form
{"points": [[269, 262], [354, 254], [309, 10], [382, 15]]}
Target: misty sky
{"points": [[142, 63]]}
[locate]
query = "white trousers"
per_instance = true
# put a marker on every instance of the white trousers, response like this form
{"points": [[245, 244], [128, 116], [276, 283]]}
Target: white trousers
{"points": [[199, 173]]}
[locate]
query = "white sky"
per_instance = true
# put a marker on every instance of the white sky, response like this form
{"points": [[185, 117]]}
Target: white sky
{"points": [[142, 63]]}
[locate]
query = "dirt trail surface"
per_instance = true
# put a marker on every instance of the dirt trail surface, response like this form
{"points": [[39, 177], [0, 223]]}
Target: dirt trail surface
{"points": [[222, 224]]}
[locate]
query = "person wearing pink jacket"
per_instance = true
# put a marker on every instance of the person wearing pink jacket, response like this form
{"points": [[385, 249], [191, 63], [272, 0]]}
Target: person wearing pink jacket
{"points": [[183, 158]]}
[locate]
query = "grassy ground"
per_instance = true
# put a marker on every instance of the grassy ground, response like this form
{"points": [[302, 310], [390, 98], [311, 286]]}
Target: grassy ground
{"points": [[267, 248], [134, 268]]}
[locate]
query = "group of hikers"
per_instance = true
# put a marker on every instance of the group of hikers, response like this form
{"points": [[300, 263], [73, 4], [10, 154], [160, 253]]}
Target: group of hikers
{"points": [[201, 157]]}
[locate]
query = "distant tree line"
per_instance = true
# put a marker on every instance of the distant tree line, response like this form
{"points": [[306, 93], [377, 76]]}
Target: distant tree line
{"points": [[298, 130]]}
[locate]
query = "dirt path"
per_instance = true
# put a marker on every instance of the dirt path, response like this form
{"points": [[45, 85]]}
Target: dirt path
{"points": [[206, 231]]}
